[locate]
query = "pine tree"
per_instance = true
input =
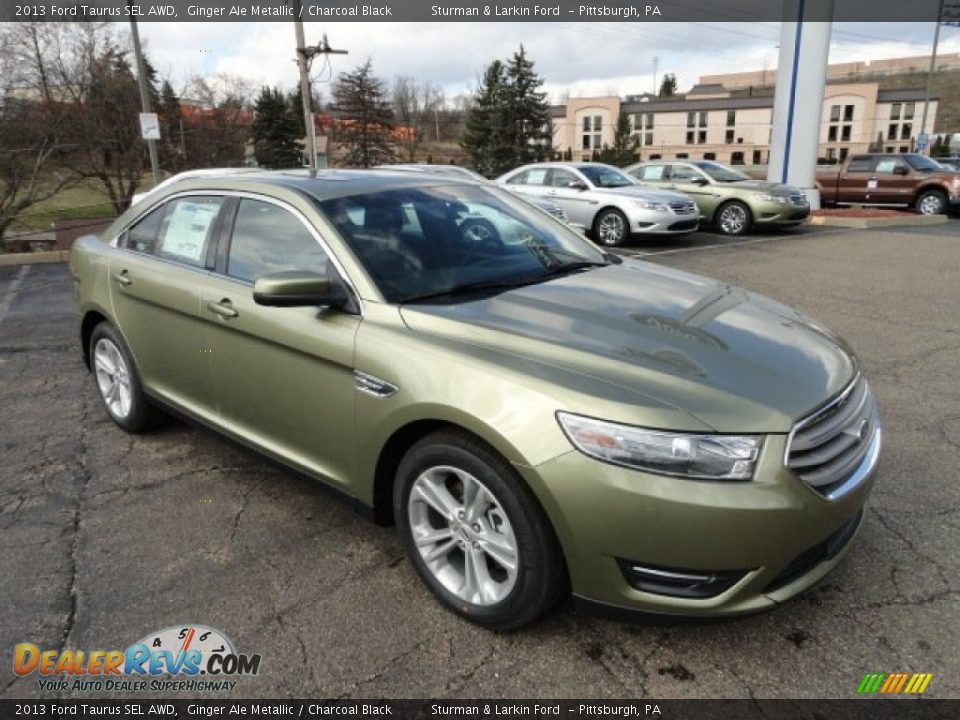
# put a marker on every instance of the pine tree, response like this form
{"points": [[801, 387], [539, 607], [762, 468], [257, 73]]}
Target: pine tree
{"points": [[365, 117], [170, 116], [275, 135], [625, 145], [668, 86], [485, 138], [530, 129]]}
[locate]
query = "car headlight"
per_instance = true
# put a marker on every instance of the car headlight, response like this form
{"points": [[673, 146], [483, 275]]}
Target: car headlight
{"points": [[690, 455], [782, 199], [649, 205]]}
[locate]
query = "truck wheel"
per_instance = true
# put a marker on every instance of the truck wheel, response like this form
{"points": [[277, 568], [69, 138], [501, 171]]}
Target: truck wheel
{"points": [[931, 202], [734, 218]]}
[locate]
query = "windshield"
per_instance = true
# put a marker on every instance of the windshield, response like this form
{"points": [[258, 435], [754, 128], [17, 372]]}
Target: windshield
{"points": [[605, 176], [922, 163], [721, 173], [418, 243]]}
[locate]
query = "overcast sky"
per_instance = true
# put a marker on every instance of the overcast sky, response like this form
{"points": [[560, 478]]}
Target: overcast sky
{"points": [[579, 58]]}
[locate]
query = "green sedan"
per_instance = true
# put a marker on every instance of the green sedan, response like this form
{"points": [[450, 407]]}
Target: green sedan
{"points": [[729, 201], [533, 414]]}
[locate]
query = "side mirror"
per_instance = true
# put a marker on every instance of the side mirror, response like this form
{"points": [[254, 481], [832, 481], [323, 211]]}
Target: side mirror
{"points": [[701, 181], [577, 185], [900, 170], [296, 288]]}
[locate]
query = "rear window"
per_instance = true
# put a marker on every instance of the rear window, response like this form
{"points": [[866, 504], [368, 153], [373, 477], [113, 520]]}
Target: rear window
{"points": [[860, 163]]}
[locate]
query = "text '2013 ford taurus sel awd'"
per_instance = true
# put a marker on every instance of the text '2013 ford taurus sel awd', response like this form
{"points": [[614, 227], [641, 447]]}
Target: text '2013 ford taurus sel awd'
{"points": [[532, 413]]}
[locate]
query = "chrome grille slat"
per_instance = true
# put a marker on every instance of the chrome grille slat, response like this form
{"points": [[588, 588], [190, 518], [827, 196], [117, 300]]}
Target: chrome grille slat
{"points": [[828, 447]]}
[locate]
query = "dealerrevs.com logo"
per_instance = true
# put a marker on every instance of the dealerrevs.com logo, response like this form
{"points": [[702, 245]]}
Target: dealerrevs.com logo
{"points": [[187, 658]]}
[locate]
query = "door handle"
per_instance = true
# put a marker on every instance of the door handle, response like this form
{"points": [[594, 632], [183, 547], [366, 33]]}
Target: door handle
{"points": [[123, 278], [223, 308]]}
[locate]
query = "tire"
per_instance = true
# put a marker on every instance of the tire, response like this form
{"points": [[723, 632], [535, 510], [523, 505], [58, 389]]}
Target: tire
{"points": [[114, 370], [434, 483], [931, 202], [611, 228], [733, 218]]}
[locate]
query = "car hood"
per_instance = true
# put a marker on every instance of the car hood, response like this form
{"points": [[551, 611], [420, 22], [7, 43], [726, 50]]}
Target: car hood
{"points": [[643, 192], [735, 361]]}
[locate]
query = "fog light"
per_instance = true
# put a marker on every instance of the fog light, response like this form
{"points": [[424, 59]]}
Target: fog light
{"points": [[697, 584]]}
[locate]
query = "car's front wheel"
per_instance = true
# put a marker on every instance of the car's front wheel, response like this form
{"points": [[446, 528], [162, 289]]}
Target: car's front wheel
{"points": [[611, 227], [475, 534], [734, 218], [117, 380]]}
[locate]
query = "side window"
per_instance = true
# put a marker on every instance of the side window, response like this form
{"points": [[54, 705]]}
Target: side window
{"points": [[519, 178], [682, 173], [561, 178], [860, 163], [536, 176], [186, 229], [143, 235], [889, 165], [267, 239], [649, 172]]}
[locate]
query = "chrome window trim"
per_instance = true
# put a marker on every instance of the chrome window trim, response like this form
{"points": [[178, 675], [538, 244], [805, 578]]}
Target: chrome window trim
{"points": [[250, 196]]}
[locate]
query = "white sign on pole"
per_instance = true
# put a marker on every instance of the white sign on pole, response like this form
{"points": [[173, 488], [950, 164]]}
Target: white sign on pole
{"points": [[922, 141], [149, 126]]}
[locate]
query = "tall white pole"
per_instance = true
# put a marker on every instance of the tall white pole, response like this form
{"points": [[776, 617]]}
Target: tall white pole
{"points": [[798, 100]]}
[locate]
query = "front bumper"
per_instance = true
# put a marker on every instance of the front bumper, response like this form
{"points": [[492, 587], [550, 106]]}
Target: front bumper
{"points": [[658, 222], [777, 535], [780, 213]]}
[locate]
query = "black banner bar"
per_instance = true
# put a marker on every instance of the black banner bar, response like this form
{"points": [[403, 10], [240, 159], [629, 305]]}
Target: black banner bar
{"points": [[469, 11]]}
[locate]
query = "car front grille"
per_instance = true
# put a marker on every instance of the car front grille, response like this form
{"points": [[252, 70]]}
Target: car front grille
{"points": [[834, 448], [683, 207], [798, 199]]}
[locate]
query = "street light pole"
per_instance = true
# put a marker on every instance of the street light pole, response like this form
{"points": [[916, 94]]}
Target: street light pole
{"points": [[144, 95], [933, 65]]}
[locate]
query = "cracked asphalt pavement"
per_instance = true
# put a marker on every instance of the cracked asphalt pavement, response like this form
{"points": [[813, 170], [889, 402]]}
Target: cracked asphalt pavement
{"points": [[105, 537]]}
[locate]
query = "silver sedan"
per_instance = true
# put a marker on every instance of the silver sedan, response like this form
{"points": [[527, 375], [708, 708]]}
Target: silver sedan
{"points": [[607, 202]]}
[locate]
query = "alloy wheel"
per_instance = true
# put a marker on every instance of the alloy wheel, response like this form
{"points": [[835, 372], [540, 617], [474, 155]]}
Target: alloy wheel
{"points": [[930, 204], [463, 535], [611, 229], [733, 219], [113, 377]]}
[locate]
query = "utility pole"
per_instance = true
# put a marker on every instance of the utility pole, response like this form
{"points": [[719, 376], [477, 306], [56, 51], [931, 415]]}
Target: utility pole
{"points": [[304, 65], [656, 66], [144, 95], [933, 65]]}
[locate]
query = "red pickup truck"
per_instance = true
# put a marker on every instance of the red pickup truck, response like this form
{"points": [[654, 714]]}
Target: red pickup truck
{"points": [[907, 180]]}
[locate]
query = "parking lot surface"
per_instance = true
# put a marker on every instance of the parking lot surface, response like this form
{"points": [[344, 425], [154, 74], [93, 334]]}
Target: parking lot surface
{"points": [[106, 537]]}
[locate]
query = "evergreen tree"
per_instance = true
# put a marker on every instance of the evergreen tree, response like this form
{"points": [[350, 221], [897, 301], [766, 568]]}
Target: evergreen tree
{"points": [[275, 134], [668, 86], [296, 110], [528, 113], [170, 121], [625, 145], [169, 107], [485, 138], [939, 148], [365, 117]]}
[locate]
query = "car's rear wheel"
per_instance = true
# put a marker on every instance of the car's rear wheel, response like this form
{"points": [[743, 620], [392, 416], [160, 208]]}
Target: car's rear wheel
{"points": [[611, 227], [117, 380], [931, 202], [475, 534], [734, 218]]}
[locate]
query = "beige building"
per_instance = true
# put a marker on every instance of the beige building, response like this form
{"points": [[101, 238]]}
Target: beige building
{"points": [[839, 71], [710, 124]]}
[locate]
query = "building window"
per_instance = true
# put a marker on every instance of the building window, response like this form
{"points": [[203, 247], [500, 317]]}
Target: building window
{"points": [[906, 131], [682, 156], [586, 123], [728, 138], [691, 119], [845, 133], [834, 113], [649, 121], [843, 153], [736, 158], [832, 133], [597, 142], [892, 132], [655, 156], [895, 111], [757, 157], [709, 156], [586, 143], [703, 119], [888, 148], [831, 155], [648, 138], [702, 137], [908, 111], [597, 123], [848, 113], [731, 118], [690, 137], [904, 148]]}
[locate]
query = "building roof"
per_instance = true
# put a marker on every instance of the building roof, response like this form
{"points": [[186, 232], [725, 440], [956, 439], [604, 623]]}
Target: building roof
{"points": [[905, 95], [707, 89]]}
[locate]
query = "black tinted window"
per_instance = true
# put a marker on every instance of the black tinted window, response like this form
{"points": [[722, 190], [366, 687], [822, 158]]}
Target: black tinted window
{"points": [[860, 163], [268, 239], [186, 229], [143, 235]]}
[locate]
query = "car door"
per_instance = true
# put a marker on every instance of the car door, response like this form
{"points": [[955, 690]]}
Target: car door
{"points": [[892, 182], [577, 201], [155, 279], [690, 181], [856, 180], [282, 376]]}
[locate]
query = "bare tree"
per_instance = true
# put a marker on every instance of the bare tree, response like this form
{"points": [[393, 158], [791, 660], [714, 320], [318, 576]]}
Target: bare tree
{"points": [[217, 117], [416, 108]]}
